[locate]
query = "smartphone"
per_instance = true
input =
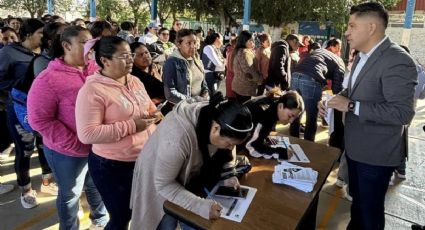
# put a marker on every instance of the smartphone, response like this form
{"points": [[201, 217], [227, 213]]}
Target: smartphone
{"points": [[231, 192]]}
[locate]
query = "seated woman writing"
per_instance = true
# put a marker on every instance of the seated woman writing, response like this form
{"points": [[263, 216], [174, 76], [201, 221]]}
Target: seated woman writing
{"points": [[188, 152]]}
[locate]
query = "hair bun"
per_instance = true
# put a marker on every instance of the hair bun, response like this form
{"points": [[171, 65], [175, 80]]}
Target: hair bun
{"points": [[216, 99]]}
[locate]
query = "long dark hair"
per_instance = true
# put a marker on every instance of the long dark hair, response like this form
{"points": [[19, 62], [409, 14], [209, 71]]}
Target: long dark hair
{"points": [[292, 100], [133, 47], [50, 32], [235, 122], [29, 27], [97, 28], [210, 39], [67, 34], [106, 47], [241, 42]]}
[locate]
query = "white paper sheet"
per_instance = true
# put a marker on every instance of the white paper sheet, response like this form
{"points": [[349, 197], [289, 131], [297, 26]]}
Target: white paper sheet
{"points": [[301, 178], [299, 155], [330, 114], [234, 209]]}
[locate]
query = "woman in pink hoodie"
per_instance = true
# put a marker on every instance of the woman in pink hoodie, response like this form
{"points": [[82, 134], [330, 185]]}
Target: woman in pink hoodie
{"points": [[116, 115], [51, 112]]}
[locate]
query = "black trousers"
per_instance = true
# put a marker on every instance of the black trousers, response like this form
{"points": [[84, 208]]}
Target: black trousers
{"points": [[113, 180]]}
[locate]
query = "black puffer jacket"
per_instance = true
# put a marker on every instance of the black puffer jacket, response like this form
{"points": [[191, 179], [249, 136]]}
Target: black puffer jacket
{"points": [[279, 73], [264, 111]]}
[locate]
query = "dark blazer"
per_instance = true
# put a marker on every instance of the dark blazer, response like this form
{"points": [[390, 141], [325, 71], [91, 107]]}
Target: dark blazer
{"points": [[384, 87]]}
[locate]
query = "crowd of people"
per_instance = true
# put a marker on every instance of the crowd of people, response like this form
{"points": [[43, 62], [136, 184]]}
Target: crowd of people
{"points": [[90, 98]]}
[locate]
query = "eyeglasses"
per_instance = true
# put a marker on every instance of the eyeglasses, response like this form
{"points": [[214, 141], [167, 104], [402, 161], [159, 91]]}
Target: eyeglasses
{"points": [[126, 56]]}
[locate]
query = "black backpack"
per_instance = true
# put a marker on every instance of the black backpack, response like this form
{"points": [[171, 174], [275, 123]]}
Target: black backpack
{"points": [[19, 94]]}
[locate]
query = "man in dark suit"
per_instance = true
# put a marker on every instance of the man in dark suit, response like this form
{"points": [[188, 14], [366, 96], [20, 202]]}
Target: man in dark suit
{"points": [[378, 104]]}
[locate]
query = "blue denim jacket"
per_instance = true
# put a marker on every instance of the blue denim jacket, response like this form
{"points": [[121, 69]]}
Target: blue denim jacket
{"points": [[176, 78]]}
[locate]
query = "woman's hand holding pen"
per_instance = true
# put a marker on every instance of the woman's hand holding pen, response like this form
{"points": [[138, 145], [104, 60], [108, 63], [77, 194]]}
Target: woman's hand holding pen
{"points": [[215, 211]]}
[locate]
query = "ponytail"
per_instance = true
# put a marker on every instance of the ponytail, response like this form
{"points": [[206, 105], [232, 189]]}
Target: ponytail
{"points": [[56, 50], [69, 32], [235, 122]]}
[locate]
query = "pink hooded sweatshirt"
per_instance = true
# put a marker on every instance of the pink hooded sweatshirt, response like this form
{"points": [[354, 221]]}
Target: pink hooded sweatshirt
{"points": [[51, 106], [105, 111]]}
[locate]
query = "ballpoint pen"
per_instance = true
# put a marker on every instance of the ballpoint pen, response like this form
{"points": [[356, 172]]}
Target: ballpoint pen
{"points": [[209, 195], [160, 106], [290, 147]]}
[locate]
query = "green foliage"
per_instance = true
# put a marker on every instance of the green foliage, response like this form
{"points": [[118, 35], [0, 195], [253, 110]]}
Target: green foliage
{"points": [[118, 11], [34, 7], [278, 12], [272, 12], [387, 3], [111, 9], [62, 6], [140, 12], [167, 8]]}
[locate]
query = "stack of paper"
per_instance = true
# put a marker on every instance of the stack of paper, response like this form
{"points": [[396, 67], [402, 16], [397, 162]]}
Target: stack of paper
{"points": [[301, 178]]}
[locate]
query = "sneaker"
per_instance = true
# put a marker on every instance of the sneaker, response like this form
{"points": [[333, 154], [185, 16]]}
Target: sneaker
{"points": [[339, 182], [6, 188], [29, 199], [80, 213], [401, 174], [391, 183], [5, 154], [51, 189], [345, 193]]}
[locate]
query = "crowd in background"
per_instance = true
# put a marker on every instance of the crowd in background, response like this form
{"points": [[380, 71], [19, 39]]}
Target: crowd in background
{"points": [[89, 96]]}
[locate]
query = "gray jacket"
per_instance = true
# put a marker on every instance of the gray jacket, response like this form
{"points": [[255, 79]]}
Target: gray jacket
{"points": [[168, 160], [385, 88]]}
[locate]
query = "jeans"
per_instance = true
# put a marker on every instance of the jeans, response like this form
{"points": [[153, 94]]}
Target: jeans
{"points": [[368, 186], [311, 92], [25, 142], [113, 179], [212, 82], [71, 174], [5, 138], [170, 223]]}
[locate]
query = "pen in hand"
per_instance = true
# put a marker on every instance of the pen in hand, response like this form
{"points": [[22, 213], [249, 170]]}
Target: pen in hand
{"points": [[160, 106], [289, 147], [209, 195], [215, 210]]}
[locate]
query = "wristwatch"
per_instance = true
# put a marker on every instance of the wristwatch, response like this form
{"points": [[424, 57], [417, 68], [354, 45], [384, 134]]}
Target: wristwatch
{"points": [[351, 106]]}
